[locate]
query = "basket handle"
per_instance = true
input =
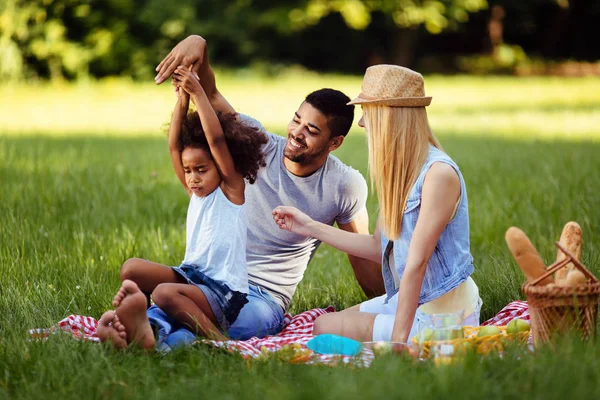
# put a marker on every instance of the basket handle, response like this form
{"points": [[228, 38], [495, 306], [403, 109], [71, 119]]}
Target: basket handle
{"points": [[576, 262], [560, 264], [551, 269]]}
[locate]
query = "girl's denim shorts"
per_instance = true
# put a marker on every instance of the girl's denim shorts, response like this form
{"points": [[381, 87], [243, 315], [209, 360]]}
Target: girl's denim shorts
{"points": [[224, 302]]}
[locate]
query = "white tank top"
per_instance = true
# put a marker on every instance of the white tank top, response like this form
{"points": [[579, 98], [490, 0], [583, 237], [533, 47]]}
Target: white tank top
{"points": [[216, 239]]}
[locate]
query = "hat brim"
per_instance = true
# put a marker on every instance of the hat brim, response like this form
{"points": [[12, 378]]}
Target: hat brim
{"points": [[395, 102]]}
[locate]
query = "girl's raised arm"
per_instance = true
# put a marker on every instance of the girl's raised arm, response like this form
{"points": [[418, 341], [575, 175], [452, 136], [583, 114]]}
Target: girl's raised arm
{"points": [[179, 113], [234, 182]]}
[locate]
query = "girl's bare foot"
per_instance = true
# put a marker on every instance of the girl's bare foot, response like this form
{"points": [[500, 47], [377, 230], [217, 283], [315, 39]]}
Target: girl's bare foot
{"points": [[116, 323], [108, 332], [131, 313], [119, 296]]}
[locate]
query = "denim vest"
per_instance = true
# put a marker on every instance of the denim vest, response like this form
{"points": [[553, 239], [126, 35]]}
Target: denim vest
{"points": [[451, 262]]}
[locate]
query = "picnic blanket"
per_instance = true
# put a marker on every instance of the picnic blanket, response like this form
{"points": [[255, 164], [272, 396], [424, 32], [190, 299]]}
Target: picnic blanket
{"points": [[297, 329], [515, 309]]}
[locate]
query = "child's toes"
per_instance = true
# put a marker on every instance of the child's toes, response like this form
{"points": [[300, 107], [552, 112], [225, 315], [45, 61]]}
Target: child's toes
{"points": [[118, 326]]}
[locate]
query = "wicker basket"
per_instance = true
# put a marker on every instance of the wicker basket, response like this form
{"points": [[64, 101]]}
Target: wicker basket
{"points": [[482, 344], [555, 309]]}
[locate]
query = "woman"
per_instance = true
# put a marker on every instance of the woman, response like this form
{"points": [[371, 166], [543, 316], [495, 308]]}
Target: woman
{"points": [[422, 236]]}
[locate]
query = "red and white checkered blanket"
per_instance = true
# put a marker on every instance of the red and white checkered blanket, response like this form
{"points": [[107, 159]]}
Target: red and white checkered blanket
{"points": [[297, 329], [516, 309]]}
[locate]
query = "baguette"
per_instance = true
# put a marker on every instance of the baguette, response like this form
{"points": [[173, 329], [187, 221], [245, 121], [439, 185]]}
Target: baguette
{"points": [[526, 255], [571, 239], [574, 278]]}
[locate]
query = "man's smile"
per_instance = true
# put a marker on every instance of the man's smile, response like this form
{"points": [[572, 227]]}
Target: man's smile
{"points": [[295, 144]]}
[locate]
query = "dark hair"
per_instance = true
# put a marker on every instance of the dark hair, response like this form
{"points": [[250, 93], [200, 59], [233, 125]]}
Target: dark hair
{"points": [[244, 142], [333, 104]]}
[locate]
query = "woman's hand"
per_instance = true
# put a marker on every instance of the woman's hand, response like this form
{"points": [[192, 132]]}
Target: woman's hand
{"points": [[398, 337], [186, 80], [293, 220]]}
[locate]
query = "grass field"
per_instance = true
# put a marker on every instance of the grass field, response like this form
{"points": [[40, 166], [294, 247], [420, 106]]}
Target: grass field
{"points": [[86, 182], [476, 106]]}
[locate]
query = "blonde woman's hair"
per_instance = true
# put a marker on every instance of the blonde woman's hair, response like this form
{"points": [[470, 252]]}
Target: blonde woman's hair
{"points": [[399, 139]]}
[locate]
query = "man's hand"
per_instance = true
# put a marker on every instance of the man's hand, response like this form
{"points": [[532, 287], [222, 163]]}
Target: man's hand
{"points": [[186, 80], [189, 52], [293, 220], [192, 54]]}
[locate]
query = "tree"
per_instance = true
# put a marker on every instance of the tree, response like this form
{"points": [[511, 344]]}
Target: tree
{"points": [[75, 38], [435, 15], [407, 15], [36, 38]]}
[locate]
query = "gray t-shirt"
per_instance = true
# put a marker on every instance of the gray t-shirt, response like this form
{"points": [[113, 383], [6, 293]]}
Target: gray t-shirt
{"points": [[276, 258]]}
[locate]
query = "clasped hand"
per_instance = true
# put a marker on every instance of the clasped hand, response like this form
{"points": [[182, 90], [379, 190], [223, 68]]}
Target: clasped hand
{"points": [[186, 80]]}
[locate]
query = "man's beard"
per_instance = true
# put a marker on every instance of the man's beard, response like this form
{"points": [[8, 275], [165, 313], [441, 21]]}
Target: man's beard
{"points": [[304, 158], [297, 158]]}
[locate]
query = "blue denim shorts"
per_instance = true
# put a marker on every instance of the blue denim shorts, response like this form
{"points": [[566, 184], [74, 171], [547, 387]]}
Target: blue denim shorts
{"points": [[262, 316], [224, 302]]}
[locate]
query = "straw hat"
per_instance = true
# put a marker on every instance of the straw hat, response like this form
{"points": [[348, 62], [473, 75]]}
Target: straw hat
{"points": [[392, 85]]}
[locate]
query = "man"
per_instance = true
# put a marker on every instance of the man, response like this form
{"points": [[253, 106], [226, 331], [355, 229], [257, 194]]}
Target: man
{"points": [[300, 172]]}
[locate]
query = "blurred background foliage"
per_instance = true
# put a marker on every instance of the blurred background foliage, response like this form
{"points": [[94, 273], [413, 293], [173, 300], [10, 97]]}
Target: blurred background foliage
{"points": [[82, 39]]}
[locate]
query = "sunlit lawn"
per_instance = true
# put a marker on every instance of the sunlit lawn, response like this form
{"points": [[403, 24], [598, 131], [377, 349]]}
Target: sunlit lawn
{"points": [[481, 106], [86, 182]]}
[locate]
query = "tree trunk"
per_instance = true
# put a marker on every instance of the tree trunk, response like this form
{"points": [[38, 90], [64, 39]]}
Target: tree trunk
{"points": [[554, 32], [582, 29], [404, 46]]}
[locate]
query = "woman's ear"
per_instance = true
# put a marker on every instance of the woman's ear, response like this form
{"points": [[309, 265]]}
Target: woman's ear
{"points": [[335, 142]]}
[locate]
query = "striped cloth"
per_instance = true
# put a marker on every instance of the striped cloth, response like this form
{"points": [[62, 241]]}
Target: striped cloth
{"points": [[297, 329]]}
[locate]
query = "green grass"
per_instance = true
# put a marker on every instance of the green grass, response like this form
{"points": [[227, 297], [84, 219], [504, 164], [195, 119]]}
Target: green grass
{"points": [[79, 196], [478, 106]]}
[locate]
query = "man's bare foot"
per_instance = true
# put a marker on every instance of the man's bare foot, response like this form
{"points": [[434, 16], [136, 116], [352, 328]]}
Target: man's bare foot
{"points": [[131, 313], [108, 332]]}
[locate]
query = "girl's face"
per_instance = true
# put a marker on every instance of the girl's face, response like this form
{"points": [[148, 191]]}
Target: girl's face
{"points": [[201, 174]]}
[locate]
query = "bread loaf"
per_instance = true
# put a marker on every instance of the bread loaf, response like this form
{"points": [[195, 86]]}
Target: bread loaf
{"points": [[526, 255], [571, 239], [574, 278]]}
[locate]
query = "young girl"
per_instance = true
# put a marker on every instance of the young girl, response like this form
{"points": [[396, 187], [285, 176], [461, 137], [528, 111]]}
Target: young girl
{"points": [[422, 237], [212, 157]]}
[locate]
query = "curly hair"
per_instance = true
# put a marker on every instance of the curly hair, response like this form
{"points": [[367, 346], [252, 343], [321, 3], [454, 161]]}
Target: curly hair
{"points": [[244, 142]]}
